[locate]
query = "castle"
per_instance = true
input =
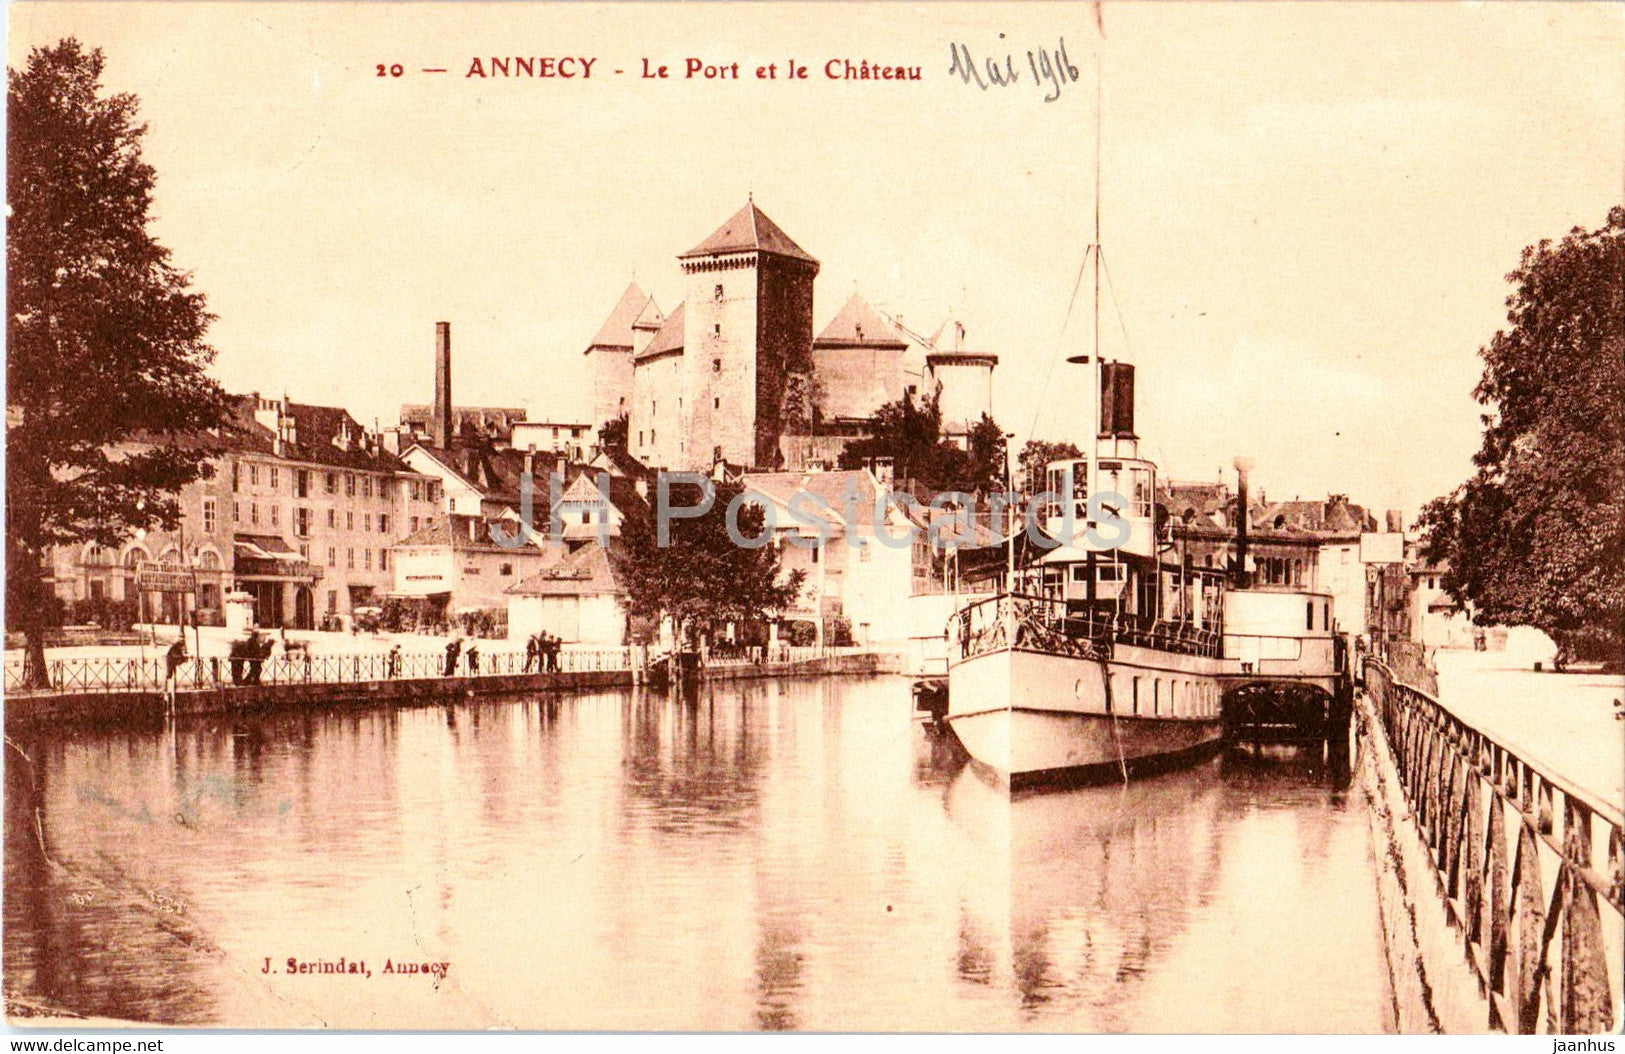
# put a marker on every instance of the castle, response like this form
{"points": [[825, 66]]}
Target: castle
{"points": [[735, 375]]}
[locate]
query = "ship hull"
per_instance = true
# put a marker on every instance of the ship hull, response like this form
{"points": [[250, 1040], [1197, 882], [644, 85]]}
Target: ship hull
{"points": [[1032, 719]]}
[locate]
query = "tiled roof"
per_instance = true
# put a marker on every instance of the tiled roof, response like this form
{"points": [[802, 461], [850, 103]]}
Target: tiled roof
{"points": [[859, 325], [453, 530], [669, 337], [748, 229], [592, 570], [616, 332], [315, 429], [830, 487]]}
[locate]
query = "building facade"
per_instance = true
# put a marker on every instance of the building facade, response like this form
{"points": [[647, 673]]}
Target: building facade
{"points": [[298, 511]]}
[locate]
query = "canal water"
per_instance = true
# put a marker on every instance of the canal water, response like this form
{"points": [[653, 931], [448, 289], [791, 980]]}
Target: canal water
{"points": [[771, 855]]}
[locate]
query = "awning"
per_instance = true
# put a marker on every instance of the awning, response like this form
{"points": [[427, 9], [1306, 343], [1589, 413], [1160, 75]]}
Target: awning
{"points": [[265, 547], [265, 557]]}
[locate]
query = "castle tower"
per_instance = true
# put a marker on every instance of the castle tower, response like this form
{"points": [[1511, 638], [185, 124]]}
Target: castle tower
{"points": [[858, 360], [961, 379], [609, 356], [747, 341]]}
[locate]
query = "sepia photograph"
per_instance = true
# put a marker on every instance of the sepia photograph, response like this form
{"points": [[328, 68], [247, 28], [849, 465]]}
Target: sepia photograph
{"points": [[1099, 518]]}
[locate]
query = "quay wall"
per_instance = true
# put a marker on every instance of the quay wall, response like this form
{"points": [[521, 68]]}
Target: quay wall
{"points": [[1435, 987], [23, 712]]}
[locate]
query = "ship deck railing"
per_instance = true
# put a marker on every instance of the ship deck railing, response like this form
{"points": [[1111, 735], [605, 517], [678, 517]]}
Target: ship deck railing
{"points": [[1050, 624]]}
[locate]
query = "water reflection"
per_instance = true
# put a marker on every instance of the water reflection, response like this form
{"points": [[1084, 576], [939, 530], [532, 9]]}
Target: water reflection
{"points": [[764, 855]]}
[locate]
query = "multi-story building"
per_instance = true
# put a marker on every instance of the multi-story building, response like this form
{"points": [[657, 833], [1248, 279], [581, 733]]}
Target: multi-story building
{"points": [[298, 510]]}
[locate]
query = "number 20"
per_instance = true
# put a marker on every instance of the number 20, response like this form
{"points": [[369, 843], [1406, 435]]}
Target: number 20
{"points": [[390, 71]]}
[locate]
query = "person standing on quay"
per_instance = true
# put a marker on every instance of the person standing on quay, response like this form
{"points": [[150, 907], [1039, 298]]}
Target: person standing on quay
{"points": [[473, 659], [531, 652], [451, 656], [174, 659]]}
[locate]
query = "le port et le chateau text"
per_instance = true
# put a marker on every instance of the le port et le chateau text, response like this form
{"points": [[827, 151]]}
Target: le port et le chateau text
{"points": [[588, 68]]}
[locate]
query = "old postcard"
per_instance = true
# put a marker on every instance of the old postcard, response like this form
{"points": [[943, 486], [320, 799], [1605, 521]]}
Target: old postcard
{"points": [[974, 517]]}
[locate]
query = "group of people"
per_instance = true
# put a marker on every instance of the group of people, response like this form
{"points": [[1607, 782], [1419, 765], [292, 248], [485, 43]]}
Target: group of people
{"points": [[247, 657], [471, 654], [542, 653]]}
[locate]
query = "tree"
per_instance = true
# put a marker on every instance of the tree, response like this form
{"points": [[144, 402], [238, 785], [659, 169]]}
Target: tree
{"points": [[910, 435], [1037, 454], [612, 433], [106, 359], [1537, 535], [702, 580]]}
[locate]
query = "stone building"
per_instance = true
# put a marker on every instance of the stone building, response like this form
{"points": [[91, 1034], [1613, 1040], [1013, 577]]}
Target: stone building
{"points": [[733, 374]]}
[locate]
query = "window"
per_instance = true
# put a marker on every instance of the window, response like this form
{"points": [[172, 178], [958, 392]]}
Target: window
{"points": [[349, 520], [586, 517], [816, 550], [507, 570], [332, 487], [332, 557], [432, 490], [273, 477], [349, 559], [349, 484], [716, 402], [718, 294], [275, 517], [366, 486], [386, 488], [366, 521], [301, 522], [414, 490], [383, 559], [236, 512], [717, 329], [383, 523], [1309, 615], [301, 483], [304, 551], [208, 516], [253, 475], [235, 474], [253, 512], [1136, 697], [640, 437], [414, 525], [332, 519], [366, 559]]}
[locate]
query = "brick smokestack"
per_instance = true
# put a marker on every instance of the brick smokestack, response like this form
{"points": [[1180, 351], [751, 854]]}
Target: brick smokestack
{"points": [[441, 424]]}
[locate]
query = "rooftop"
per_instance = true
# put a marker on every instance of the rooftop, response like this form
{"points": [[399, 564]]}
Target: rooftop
{"points": [[749, 229]]}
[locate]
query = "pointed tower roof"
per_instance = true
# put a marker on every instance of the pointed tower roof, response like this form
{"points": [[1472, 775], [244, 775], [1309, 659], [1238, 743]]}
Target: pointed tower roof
{"points": [[859, 325], [616, 332], [669, 338], [749, 229], [650, 317]]}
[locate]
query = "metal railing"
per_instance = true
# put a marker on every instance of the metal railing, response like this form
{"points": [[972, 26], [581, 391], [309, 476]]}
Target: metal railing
{"points": [[1046, 624], [1495, 826], [148, 674]]}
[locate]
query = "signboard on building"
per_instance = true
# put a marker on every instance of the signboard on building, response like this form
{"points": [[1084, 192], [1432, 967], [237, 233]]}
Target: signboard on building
{"points": [[1386, 548], [154, 577]]}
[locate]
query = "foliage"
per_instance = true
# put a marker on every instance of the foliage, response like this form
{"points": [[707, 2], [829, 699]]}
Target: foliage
{"points": [[910, 436], [105, 340], [1537, 535], [702, 580], [612, 433]]}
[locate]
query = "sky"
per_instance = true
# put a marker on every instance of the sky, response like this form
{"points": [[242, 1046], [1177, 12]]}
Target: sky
{"points": [[1308, 211]]}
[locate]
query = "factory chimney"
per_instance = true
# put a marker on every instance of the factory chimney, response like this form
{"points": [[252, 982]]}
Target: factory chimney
{"points": [[441, 425]]}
